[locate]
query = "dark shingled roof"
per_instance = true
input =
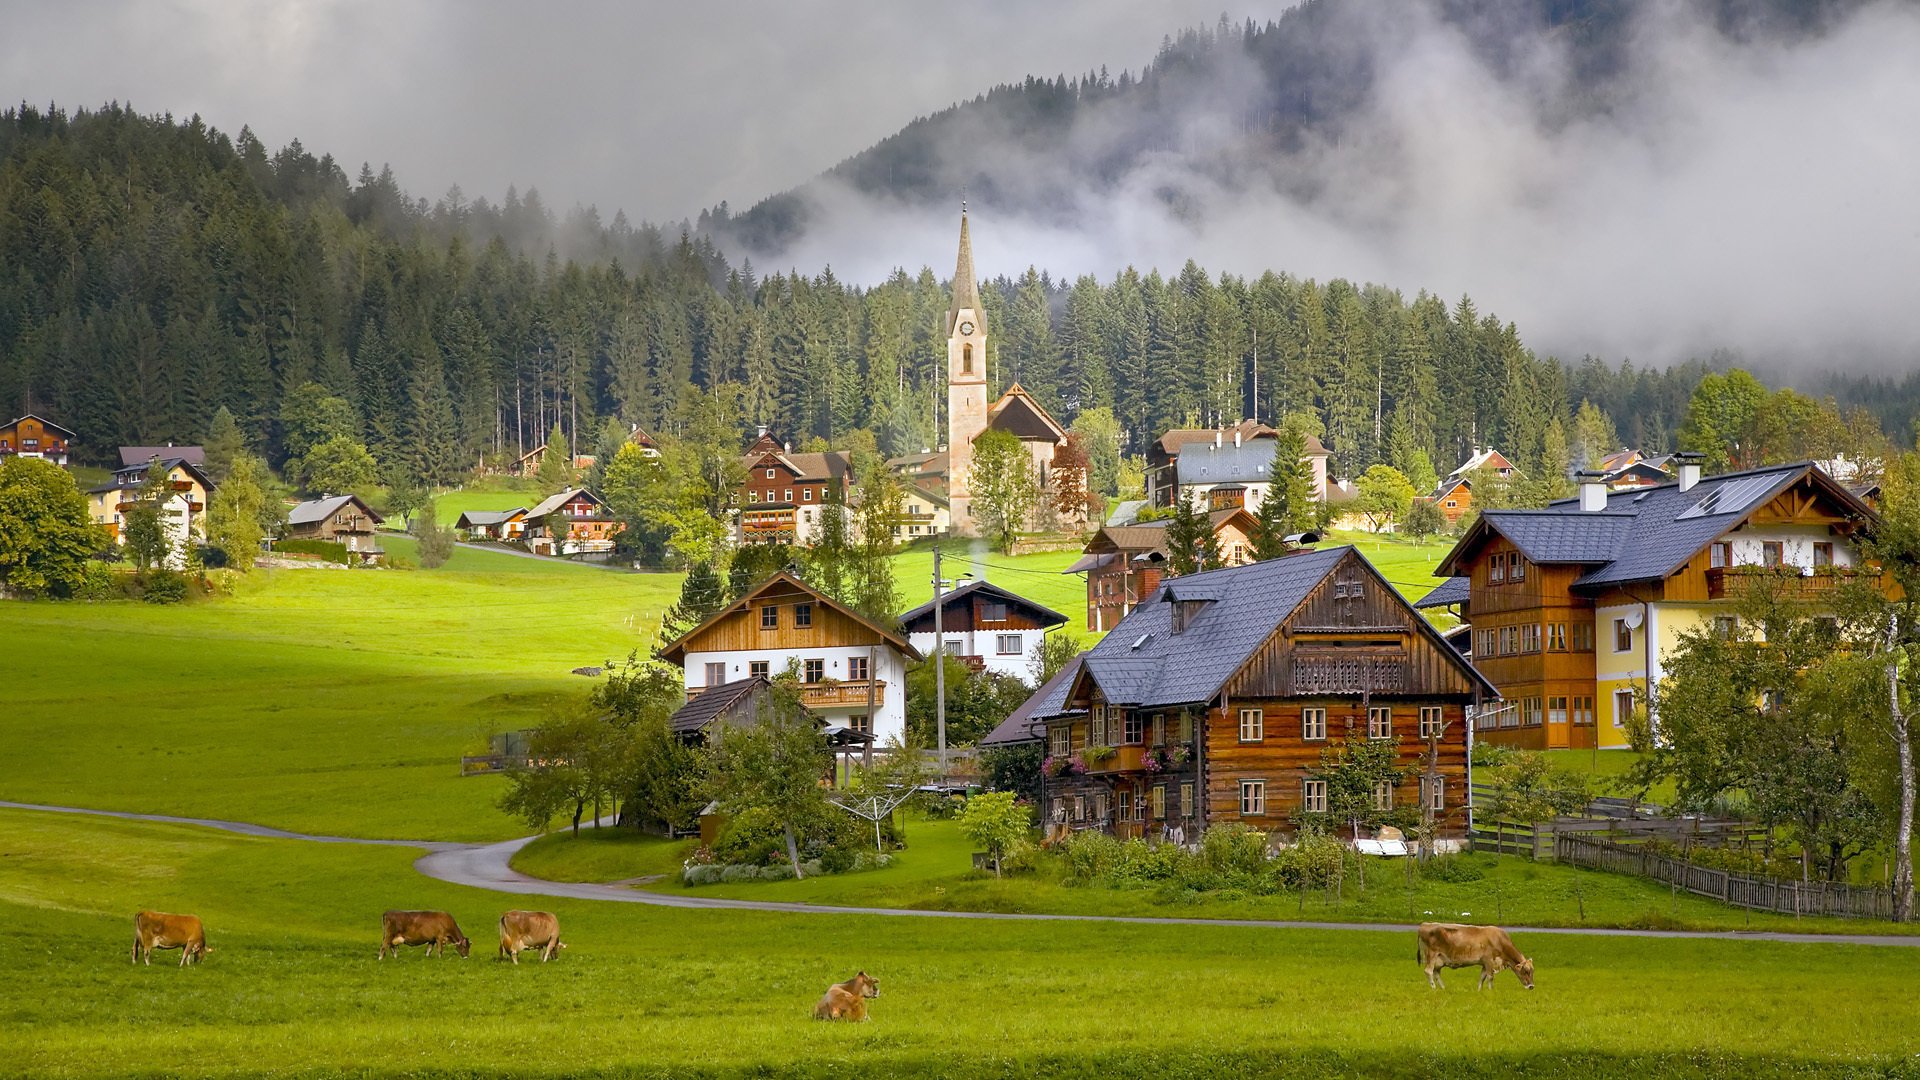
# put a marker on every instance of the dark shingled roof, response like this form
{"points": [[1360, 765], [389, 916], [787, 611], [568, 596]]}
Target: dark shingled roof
{"points": [[1454, 590], [1046, 616], [696, 714], [1643, 534], [1049, 700], [1142, 662], [140, 455]]}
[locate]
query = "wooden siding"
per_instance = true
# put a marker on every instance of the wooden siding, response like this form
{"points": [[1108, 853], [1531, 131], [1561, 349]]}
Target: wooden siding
{"points": [[970, 615], [740, 630], [1283, 759]]}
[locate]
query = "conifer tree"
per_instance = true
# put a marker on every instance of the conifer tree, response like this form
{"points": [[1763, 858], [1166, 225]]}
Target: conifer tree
{"points": [[224, 442], [433, 435], [1191, 543], [702, 593], [556, 464]]}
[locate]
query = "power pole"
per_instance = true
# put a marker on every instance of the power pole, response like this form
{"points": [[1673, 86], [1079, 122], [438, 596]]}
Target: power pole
{"points": [[939, 667]]}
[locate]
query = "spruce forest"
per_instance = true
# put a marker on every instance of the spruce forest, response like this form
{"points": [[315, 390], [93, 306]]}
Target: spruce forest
{"points": [[159, 270]]}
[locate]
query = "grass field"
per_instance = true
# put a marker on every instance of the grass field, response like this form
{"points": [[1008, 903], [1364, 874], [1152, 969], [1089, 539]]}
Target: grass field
{"points": [[292, 987], [314, 700], [1406, 563], [935, 873], [1037, 577]]}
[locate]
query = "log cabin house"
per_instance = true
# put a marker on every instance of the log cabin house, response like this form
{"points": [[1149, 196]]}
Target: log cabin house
{"points": [[1574, 606], [33, 436], [1212, 701], [571, 522], [785, 495]]}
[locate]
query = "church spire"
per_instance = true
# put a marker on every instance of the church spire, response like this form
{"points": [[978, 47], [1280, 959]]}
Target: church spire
{"points": [[966, 294]]}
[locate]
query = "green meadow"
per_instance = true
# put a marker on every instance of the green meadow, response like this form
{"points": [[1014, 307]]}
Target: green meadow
{"points": [[292, 987]]}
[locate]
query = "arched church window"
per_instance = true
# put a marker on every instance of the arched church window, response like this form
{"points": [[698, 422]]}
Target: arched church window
{"points": [[966, 359]]}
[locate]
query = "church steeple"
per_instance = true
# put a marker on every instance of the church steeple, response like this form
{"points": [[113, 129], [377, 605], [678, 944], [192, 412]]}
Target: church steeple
{"points": [[966, 293]]}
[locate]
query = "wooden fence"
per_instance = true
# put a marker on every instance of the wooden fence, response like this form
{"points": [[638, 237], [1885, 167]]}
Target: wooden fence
{"points": [[1742, 890]]}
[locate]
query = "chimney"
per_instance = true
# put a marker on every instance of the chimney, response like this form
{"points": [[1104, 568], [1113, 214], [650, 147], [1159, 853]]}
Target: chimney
{"points": [[1593, 490], [1689, 469]]}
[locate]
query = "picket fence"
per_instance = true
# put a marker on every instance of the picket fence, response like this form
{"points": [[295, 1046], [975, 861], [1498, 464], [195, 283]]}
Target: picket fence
{"points": [[1742, 890]]}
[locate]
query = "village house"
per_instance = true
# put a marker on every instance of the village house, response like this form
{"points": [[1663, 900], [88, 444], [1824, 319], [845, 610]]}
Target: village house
{"points": [[1573, 607], [493, 524], [571, 522], [1125, 563], [1225, 467], [1214, 699], [786, 496], [922, 513], [1632, 469], [1454, 495], [183, 497], [342, 519], [852, 671], [33, 436], [986, 626]]}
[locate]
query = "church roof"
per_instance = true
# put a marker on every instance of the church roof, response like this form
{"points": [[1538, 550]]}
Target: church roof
{"points": [[966, 293], [1017, 414]]}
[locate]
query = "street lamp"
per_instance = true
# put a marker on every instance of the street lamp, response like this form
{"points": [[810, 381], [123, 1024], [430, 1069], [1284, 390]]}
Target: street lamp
{"points": [[940, 661]]}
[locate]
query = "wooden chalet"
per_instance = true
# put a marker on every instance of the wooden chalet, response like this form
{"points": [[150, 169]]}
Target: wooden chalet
{"points": [[852, 670], [1212, 702], [1573, 606], [988, 627], [493, 524], [33, 436], [342, 519], [571, 522], [785, 494], [1124, 564]]}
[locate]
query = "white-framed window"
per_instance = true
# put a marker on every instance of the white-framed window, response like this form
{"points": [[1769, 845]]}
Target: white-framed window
{"points": [[716, 674], [1383, 794], [956, 647], [1126, 804], [1253, 798], [1313, 796], [1379, 722], [1434, 789], [1062, 741], [1431, 721], [993, 611], [1253, 725], [1097, 726], [806, 494], [1134, 727], [1622, 707], [1186, 799], [789, 495], [1079, 808], [1313, 724], [1622, 636], [1007, 644], [769, 474], [1100, 806]]}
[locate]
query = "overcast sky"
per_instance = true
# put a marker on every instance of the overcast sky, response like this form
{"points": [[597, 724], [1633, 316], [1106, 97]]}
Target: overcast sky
{"points": [[662, 109]]}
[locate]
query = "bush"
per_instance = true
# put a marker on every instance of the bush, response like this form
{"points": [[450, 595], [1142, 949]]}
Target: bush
{"points": [[942, 807], [738, 873], [703, 874], [325, 549], [1090, 855], [1453, 869], [838, 860], [751, 837], [1233, 849], [99, 583], [1488, 755], [160, 586]]}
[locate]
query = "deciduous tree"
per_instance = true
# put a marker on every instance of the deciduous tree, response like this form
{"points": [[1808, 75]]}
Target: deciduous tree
{"points": [[46, 532], [1003, 488]]}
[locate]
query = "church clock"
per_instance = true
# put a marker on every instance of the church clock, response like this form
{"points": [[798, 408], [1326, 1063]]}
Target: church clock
{"points": [[966, 329]]}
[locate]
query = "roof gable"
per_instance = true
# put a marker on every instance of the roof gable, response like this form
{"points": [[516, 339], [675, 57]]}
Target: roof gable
{"points": [[1019, 415], [963, 595], [784, 583], [314, 511], [43, 421]]}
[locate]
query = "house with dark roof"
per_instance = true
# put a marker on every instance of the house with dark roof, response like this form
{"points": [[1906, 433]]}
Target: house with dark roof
{"points": [[33, 436], [985, 625], [1573, 607], [1017, 413], [852, 670], [181, 489], [1124, 564], [570, 522], [786, 496], [493, 524], [1225, 467], [1213, 700], [341, 519]]}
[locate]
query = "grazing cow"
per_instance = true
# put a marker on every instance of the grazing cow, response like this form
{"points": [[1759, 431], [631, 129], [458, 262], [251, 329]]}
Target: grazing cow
{"points": [[434, 929], [521, 930], [159, 930], [1451, 945], [848, 1000]]}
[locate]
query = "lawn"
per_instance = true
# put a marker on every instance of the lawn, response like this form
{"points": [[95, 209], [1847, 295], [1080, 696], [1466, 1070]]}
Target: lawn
{"points": [[935, 873], [1037, 577], [292, 987], [315, 700], [1407, 564]]}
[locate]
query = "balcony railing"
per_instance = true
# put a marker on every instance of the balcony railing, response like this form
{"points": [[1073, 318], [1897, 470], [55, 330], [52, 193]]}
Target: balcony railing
{"points": [[1725, 582], [851, 692]]}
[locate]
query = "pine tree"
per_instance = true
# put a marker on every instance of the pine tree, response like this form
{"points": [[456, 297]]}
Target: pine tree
{"points": [[224, 443], [702, 594], [556, 464], [1191, 543], [433, 436]]}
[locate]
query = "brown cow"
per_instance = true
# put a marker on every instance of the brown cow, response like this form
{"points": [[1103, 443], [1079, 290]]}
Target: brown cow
{"points": [[521, 930], [848, 1000], [434, 929], [159, 930], [1452, 945]]}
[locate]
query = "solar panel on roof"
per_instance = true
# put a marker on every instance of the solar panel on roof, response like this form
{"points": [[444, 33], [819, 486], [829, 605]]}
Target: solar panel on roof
{"points": [[1731, 497]]}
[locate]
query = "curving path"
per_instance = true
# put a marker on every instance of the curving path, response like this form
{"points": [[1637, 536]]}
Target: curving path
{"points": [[488, 866]]}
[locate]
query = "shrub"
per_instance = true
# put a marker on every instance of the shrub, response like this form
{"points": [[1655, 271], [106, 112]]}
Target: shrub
{"points": [[942, 807], [703, 874], [1090, 855], [1488, 755], [325, 549], [99, 583], [738, 873], [751, 837], [1233, 849], [838, 860], [1454, 869], [160, 586]]}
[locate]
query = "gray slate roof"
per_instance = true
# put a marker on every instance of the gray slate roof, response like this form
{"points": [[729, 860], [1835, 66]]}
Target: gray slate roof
{"points": [[1205, 463], [1049, 700], [1454, 590], [1141, 662], [488, 517], [317, 510], [1644, 534], [1048, 617], [140, 455]]}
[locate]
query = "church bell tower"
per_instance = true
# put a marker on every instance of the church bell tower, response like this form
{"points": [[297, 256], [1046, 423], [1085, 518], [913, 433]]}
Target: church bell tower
{"points": [[966, 383]]}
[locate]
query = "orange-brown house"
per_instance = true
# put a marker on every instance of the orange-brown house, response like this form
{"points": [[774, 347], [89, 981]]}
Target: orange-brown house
{"points": [[1124, 564], [36, 437], [1213, 700]]}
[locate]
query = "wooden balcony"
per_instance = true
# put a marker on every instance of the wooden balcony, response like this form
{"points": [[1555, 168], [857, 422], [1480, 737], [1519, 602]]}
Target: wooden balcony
{"points": [[1124, 759], [852, 693], [1791, 582]]}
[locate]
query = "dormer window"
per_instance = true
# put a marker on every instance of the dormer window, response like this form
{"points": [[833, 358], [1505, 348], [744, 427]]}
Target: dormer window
{"points": [[1185, 611]]}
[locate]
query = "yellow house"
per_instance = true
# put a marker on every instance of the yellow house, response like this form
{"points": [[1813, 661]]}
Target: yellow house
{"points": [[183, 502], [922, 513], [1574, 607]]}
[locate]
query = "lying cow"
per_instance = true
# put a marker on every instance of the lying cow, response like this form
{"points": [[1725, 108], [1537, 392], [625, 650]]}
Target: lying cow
{"points": [[1451, 945], [159, 930], [522, 930], [848, 1000], [434, 929]]}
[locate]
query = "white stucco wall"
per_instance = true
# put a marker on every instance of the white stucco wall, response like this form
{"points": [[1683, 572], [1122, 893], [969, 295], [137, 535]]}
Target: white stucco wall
{"points": [[985, 645], [889, 666]]}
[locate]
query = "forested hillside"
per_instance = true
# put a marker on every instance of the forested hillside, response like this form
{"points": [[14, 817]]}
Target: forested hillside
{"points": [[158, 270]]}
